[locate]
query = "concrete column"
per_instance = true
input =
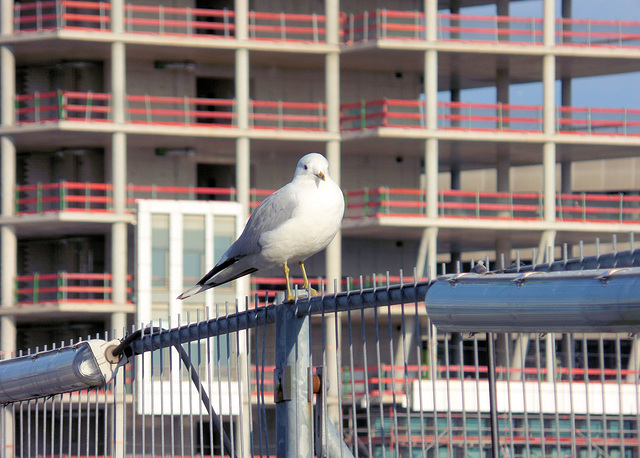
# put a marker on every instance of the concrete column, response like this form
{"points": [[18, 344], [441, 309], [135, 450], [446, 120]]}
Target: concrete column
{"points": [[429, 243], [519, 355], [242, 84], [427, 253], [549, 121], [118, 168], [8, 238], [333, 253], [8, 247], [119, 181], [243, 179]]}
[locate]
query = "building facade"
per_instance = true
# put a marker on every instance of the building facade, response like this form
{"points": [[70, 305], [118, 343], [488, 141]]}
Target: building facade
{"points": [[110, 110]]}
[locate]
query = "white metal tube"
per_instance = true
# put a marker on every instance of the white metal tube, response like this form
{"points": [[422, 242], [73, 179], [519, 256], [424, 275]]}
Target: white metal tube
{"points": [[578, 301], [81, 366]]}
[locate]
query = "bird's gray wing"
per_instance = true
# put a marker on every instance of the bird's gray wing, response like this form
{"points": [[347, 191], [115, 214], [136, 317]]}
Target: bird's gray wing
{"points": [[271, 213]]}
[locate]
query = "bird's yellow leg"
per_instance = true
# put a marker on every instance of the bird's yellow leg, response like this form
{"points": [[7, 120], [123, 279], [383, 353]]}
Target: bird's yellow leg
{"points": [[305, 285], [285, 268]]}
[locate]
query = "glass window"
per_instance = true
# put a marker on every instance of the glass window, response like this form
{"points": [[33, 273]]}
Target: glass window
{"points": [[193, 245], [225, 231], [160, 257]]}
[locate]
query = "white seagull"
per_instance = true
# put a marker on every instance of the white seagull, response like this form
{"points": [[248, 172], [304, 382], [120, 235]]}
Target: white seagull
{"points": [[295, 222]]}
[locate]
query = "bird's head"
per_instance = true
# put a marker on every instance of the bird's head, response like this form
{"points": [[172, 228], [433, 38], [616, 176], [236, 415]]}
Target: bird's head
{"points": [[314, 166]]}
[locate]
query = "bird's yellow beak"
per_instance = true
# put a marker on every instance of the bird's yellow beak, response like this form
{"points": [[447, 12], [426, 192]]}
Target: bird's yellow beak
{"points": [[321, 176]]}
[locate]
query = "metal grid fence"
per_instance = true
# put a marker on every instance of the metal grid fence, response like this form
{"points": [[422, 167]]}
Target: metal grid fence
{"points": [[265, 380]]}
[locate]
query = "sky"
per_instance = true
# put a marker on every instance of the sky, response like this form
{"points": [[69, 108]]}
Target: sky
{"points": [[617, 91]]}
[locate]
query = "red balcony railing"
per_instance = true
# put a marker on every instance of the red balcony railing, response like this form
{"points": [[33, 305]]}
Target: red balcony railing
{"points": [[64, 287], [167, 21], [410, 25], [310, 28], [392, 202], [494, 117], [365, 203], [168, 111], [97, 197]]}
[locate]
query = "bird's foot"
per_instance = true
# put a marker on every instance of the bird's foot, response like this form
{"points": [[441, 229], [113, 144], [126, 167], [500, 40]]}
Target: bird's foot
{"points": [[302, 294]]}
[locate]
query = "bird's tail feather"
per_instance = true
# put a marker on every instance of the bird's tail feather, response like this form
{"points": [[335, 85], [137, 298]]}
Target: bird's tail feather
{"points": [[195, 290]]}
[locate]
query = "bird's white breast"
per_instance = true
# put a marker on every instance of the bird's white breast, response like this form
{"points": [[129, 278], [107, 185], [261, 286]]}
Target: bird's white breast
{"points": [[313, 225]]}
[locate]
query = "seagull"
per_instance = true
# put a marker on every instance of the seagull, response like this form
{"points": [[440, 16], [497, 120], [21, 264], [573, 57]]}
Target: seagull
{"points": [[479, 268], [295, 222]]}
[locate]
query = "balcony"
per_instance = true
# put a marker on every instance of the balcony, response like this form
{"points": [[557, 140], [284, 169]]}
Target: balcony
{"points": [[149, 110], [410, 25], [364, 203], [92, 107], [310, 28], [65, 287], [411, 203], [483, 117], [166, 21]]}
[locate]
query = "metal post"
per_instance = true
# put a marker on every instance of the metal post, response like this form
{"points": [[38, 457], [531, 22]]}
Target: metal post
{"points": [[292, 394], [493, 408]]}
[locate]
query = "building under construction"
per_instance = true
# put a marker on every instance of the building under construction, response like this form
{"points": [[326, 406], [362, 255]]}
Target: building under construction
{"points": [[136, 138]]}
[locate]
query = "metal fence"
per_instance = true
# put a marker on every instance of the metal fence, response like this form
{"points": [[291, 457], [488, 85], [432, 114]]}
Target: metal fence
{"points": [[529, 361]]}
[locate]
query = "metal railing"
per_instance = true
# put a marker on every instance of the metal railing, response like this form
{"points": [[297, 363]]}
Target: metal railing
{"points": [[167, 21], [202, 112], [404, 385], [385, 24], [401, 202], [489, 117], [363, 203], [167, 111], [61, 287], [310, 28]]}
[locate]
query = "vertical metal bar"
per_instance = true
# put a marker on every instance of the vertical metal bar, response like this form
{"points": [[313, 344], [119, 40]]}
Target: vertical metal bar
{"points": [[393, 374], [209, 369], [551, 341], [143, 408], [605, 434], [200, 387], [259, 380], [418, 343], [219, 378], [293, 410], [366, 373], [229, 352], [405, 360], [585, 354], [507, 351], [152, 400], [540, 396], [465, 442], [161, 354], [620, 400], [264, 359], [338, 361], [447, 372], [572, 413], [352, 377], [379, 368], [493, 407], [433, 373]]}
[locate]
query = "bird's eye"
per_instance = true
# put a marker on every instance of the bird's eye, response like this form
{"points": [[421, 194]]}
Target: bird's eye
{"points": [[306, 167]]}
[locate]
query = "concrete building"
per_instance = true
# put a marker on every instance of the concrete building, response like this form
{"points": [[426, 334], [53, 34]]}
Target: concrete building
{"points": [[136, 138]]}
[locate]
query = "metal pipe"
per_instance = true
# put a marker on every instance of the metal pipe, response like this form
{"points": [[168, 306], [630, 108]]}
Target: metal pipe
{"points": [[76, 367], [603, 300], [248, 319]]}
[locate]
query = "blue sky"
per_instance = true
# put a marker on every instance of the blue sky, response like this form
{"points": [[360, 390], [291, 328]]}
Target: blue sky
{"points": [[618, 91]]}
